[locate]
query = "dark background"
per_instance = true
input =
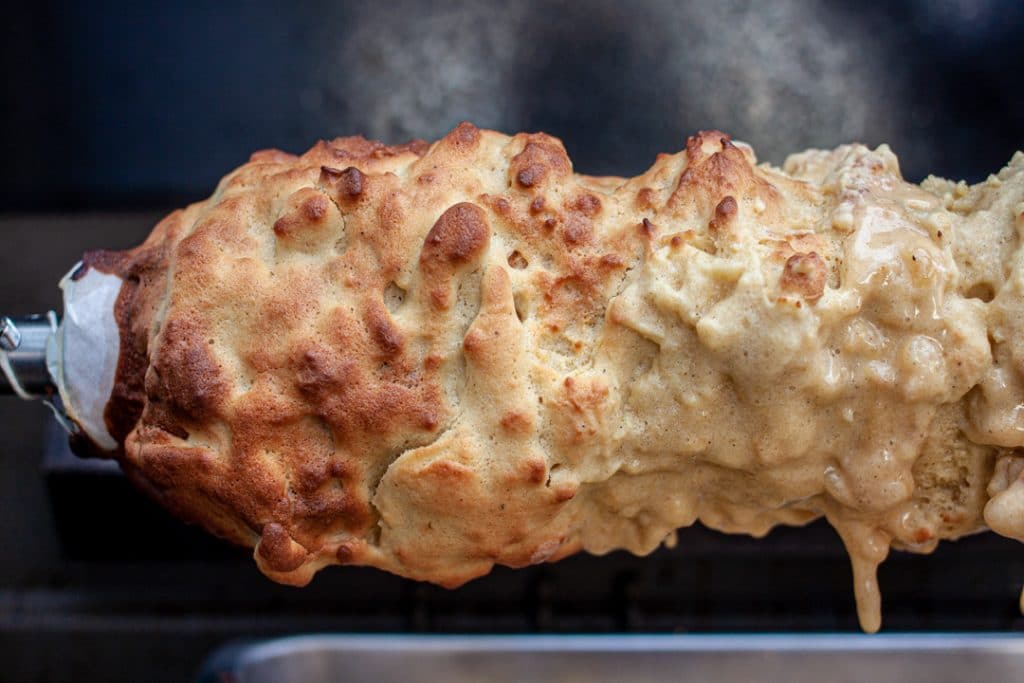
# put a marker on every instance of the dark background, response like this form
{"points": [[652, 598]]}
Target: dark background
{"points": [[115, 104], [112, 113]]}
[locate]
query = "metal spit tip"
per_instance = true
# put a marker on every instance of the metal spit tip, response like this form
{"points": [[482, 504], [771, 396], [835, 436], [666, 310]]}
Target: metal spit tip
{"points": [[10, 335], [23, 344]]}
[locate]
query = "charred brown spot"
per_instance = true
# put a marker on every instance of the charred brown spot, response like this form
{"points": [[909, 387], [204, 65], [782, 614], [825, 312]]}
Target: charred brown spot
{"points": [[464, 136], [587, 204], [724, 212], [459, 236], [350, 183], [541, 156], [345, 553], [317, 372], [517, 260], [185, 372], [340, 469], [502, 206], [277, 548], [537, 205], [357, 147], [531, 175], [310, 475], [283, 226], [475, 342], [645, 198], [648, 228], [357, 400], [726, 208], [577, 230], [716, 167], [804, 274], [550, 223], [387, 335], [536, 470], [612, 261], [315, 207]]}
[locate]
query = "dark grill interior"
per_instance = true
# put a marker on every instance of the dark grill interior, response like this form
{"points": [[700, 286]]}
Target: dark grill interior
{"points": [[113, 114]]}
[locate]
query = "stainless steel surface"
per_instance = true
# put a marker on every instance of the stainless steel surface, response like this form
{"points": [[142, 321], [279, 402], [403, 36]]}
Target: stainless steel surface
{"points": [[27, 336], [10, 336], [623, 659]]}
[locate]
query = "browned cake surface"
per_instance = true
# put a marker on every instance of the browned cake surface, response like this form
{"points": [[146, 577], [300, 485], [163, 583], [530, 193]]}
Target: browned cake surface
{"points": [[431, 359]]}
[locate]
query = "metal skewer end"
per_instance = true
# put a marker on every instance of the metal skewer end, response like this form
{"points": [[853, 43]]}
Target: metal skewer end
{"points": [[10, 335]]}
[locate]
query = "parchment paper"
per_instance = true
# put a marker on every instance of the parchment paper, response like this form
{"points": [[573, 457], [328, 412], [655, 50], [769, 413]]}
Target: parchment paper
{"points": [[87, 349]]}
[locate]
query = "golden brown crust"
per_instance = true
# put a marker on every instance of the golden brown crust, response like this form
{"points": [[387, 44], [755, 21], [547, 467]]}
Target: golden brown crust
{"points": [[431, 359], [804, 274]]}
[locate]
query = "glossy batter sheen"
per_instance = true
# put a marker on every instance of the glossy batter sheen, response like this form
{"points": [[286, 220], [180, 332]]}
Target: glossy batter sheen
{"points": [[432, 359]]}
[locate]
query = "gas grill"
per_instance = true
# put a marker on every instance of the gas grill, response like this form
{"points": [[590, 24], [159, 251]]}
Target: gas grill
{"points": [[114, 115]]}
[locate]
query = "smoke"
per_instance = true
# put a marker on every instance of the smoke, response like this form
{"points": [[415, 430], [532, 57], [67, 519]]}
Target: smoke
{"points": [[618, 81]]}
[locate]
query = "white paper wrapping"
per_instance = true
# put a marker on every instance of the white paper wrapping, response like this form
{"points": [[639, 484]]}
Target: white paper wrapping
{"points": [[87, 348]]}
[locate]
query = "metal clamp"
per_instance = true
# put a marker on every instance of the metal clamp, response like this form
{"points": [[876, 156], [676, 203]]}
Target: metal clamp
{"points": [[23, 355], [24, 370]]}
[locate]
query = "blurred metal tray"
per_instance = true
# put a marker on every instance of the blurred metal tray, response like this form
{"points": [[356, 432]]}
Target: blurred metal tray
{"points": [[621, 658]]}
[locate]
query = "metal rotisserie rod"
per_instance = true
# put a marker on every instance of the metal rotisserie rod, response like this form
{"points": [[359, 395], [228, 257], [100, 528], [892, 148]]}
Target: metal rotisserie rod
{"points": [[24, 341]]}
